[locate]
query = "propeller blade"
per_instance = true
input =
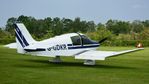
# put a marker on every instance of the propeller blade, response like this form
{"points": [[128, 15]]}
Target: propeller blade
{"points": [[103, 40]]}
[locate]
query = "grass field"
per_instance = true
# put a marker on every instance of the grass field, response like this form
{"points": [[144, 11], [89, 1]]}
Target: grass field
{"points": [[132, 68]]}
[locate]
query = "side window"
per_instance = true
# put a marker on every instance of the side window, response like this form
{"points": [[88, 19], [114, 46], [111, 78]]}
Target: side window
{"points": [[76, 40]]}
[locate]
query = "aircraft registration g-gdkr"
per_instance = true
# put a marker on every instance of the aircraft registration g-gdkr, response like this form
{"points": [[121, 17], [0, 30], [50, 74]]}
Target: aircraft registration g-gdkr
{"points": [[72, 44]]}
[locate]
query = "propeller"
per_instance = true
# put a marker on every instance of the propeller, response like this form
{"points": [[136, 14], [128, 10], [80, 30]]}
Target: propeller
{"points": [[103, 40]]}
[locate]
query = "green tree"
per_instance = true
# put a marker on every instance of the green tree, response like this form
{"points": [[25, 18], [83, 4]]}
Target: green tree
{"points": [[6, 37], [90, 26], [57, 26], [67, 25], [76, 25], [137, 26], [100, 33], [118, 27], [146, 23], [145, 34], [10, 26]]}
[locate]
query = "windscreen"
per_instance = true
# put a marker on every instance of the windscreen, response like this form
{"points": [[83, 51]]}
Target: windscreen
{"points": [[86, 40], [82, 40]]}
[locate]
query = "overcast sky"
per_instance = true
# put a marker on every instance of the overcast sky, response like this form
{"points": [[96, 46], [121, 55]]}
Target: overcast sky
{"points": [[95, 10]]}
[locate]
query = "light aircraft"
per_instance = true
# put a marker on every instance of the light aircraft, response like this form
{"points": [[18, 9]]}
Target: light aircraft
{"points": [[73, 44]]}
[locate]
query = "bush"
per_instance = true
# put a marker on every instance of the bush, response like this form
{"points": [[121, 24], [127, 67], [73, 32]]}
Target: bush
{"points": [[6, 41], [6, 37]]}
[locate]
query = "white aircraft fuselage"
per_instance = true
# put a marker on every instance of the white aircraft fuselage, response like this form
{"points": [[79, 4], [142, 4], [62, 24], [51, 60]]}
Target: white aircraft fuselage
{"points": [[61, 46]]}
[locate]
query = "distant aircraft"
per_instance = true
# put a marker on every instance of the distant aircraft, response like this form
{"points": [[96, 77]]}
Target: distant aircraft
{"points": [[73, 44]]}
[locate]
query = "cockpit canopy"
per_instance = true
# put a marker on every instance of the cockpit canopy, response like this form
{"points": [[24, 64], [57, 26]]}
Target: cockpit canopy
{"points": [[82, 40]]}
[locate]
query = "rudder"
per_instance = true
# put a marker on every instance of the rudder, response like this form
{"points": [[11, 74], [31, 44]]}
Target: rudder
{"points": [[23, 37]]}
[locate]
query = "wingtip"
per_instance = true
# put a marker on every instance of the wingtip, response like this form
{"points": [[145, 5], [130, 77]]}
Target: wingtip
{"points": [[140, 45]]}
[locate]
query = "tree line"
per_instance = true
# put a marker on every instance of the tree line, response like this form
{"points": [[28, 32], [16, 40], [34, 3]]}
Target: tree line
{"points": [[119, 33]]}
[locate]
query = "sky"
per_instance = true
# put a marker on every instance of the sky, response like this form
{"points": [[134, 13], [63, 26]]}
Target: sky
{"points": [[98, 11]]}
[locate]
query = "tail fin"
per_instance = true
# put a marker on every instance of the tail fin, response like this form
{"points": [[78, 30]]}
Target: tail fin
{"points": [[23, 37]]}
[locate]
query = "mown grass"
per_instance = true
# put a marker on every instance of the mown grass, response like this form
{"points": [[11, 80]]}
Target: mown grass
{"points": [[132, 68]]}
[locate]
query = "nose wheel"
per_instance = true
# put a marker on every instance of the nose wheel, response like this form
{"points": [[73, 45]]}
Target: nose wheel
{"points": [[57, 59], [89, 62]]}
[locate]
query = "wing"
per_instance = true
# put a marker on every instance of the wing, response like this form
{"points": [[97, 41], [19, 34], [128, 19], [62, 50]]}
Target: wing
{"points": [[101, 55]]}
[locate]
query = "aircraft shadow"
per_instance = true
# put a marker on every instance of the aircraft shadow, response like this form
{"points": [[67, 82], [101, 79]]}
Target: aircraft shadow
{"points": [[45, 63]]}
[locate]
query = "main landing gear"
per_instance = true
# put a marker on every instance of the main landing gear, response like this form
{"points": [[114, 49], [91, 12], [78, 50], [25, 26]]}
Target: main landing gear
{"points": [[58, 60], [89, 62]]}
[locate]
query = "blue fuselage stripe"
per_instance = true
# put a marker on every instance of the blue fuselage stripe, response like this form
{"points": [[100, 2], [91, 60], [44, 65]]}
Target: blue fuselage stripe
{"points": [[32, 50], [84, 46]]}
